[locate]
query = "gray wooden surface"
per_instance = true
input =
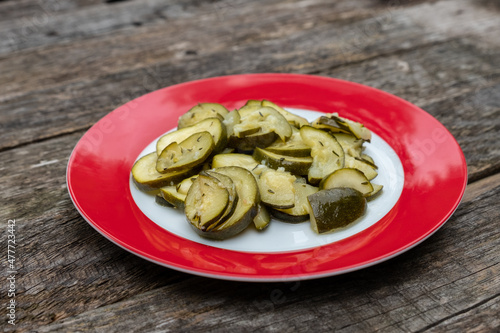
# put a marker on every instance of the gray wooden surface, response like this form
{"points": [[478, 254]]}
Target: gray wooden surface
{"points": [[66, 64]]}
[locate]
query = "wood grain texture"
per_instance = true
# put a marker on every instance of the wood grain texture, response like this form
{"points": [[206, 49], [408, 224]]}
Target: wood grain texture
{"points": [[57, 275], [431, 77], [33, 11], [65, 64], [131, 71], [416, 291]]}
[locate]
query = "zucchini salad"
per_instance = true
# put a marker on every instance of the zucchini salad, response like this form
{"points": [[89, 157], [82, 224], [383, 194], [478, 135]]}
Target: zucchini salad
{"points": [[229, 170]]}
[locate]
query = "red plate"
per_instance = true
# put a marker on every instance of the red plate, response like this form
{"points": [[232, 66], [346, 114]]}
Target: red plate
{"points": [[435, 176]]}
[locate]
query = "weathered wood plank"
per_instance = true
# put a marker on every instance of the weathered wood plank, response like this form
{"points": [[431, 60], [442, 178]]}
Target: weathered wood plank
{"points": [[50, 27], [441, 55], [430, 77], [72, 76], [437, 79], [62, 258], [454, 272], [475, 112], [481, 318], [173, 32], [37, 11]]}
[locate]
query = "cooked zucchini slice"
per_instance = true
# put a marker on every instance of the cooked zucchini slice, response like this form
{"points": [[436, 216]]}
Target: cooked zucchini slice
{"points": [[200, 112], [326, 152], [231, 119], [276, 188], [228, 183], [358, 129], [351, 145], [206, 202], [294, 146], [162, 202], [327, 123], [250, 107], [296, 165], [300, 211], [336, 124], [262, 219], [347, 177], [293, 119], [174, 198], [376, 190], [265, 119], [368, 159], [335, 208], [363, 166], [240, 160], [248, 143], [185, 184], [234, 159], [246, 207], [212, 125], [253, 102], [187, 154], [147, 178]]}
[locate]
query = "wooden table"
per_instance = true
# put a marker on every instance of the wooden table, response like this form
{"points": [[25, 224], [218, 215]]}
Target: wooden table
{"points": [[66, 64]]}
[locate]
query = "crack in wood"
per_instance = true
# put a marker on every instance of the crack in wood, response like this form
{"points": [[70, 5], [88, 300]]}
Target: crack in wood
{"points": [[458, 313]]}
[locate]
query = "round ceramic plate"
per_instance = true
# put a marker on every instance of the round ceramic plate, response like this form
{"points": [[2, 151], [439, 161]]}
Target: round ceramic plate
{"points": [[420, 164]]}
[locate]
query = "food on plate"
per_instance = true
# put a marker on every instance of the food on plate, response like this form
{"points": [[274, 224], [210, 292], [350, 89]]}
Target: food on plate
{"points": [[214, 126], [326, 152], [200, 112], [335, 208], [300, 210], [189, 153], [228, 169], [214, 214]]}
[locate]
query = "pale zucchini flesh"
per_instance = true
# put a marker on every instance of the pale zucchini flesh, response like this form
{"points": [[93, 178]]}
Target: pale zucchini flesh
{"points": [[230, 120], [293, 119], [347, 177], [276, 188], [357, 129], [200, 112], [351, 145], [369, 171], [212, 125], [172, 196], [266, 119], [228, 184], [262, 220], [189, 153], [296, 165], [244, 211], [377, 189], [185, 184], [326, 152], [293, 146], [300, 211], [234, 159], [205, 202], [147, 178]]}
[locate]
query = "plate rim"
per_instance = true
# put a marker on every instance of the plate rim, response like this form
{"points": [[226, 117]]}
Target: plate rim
{"points": [[281, 277]]}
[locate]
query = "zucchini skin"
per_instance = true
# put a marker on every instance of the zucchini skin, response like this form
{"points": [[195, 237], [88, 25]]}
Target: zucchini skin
{"points": [[285, 217], [246, 209]]}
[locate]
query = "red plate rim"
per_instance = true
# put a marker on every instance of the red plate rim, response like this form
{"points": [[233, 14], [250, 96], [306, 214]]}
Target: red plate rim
{"points": [[435, 175]]}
